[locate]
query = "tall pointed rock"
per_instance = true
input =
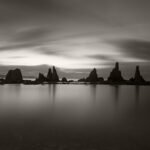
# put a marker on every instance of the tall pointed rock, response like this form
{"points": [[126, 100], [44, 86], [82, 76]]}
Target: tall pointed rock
{"points": [[138, 77], [55, 77], [92, 76], [49, 75], [115, 75]]}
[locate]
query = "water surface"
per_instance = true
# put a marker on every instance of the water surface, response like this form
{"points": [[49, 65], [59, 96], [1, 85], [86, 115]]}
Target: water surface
{"points": [[74, 117]]}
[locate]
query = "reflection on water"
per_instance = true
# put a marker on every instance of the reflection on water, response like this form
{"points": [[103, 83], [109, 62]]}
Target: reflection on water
{"points": [[75, 113], [137, 94], [93, 92], [52, 93], [73, 99], [116, 93]]}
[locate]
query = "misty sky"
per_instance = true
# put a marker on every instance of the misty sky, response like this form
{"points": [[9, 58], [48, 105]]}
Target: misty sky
{"points": [[75, 34]]}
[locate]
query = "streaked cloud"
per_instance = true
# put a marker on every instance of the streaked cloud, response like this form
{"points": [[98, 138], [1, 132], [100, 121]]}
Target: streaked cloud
{"points": [[134, 47], [78, 34]]}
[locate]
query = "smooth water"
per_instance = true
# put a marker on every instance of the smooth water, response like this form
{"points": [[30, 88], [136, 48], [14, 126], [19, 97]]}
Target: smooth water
{"points": [[74, 117]]}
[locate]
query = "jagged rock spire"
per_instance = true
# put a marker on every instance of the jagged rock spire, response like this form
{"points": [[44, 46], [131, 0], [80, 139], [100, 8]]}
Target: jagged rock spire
{"points": [[117, 66], [92, 76], [115, 75], [41, 78], [137, 76], [49, 75], [55, 77], [137, 72]]}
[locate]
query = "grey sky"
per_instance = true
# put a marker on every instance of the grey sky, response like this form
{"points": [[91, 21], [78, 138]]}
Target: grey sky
{"points": [[75, 34]]}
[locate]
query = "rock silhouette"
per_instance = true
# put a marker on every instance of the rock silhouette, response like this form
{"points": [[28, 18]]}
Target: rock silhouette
{"points": [[49, 75], [115, 75], [55, 77], [64, 79], [41, 78], [137, 77], [14, 76], [92, 76]]}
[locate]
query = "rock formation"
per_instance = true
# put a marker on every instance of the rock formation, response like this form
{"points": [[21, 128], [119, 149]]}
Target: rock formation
{"points": [[64, 79], [14, 76], [92, 76], [55, 77], [41, 78], [115, 75], [137, 77], [49, 75]]}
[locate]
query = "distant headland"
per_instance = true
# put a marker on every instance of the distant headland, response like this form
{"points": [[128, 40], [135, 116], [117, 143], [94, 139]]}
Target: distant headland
{"points": [[115, 78]]}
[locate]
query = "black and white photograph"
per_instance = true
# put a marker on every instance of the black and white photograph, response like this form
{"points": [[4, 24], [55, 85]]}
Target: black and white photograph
{"points": [[74, 74]]}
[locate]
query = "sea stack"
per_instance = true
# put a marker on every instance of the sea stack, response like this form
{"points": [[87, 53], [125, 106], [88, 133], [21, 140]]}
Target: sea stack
{"points": [[49, 75], [14, 76], [41, 78], [55, 77], [93, 77], [115, 75], [138, 77], [64, 79]]}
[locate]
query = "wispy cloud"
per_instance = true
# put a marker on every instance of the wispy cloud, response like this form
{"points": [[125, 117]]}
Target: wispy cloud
{"points": [[74, 33], [139, 49]]}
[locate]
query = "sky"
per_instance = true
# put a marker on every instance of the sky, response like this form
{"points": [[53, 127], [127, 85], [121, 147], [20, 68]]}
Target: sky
{"points": [[75, 35]]}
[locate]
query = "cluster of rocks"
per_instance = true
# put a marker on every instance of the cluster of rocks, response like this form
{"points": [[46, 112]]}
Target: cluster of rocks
{"points": [[115, 77], [93, 77], [52, 76], [15, 77]]}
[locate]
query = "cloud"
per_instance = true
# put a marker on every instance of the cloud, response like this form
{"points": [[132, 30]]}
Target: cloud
{"points": [[75, 30], [31, 34], [17, 46], [105, 58], [28, 37], [17, 57], [133, 48]]}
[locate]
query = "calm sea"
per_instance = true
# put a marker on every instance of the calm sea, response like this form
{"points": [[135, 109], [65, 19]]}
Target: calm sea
{"points": [[74, 117]]}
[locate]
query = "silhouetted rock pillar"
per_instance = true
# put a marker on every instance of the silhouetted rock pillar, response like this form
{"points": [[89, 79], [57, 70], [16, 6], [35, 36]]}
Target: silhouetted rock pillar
{"points": [[137, 76], [55, 77], [49, 75], [41, 78], [115, 75], [117, 66], [92, 76], [14, 76]]}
